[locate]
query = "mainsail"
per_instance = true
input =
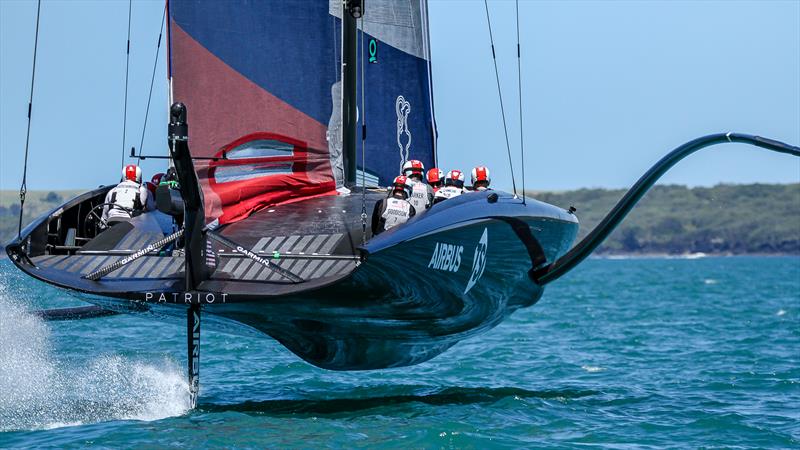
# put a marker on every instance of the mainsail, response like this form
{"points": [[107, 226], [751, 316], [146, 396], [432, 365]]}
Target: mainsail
{"points": [[398, 85], [262, 84]]}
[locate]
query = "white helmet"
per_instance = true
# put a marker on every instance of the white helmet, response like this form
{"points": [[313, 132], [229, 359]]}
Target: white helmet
{"points": [[481, 173], [454, 178], [413, 167], [132, 172]]}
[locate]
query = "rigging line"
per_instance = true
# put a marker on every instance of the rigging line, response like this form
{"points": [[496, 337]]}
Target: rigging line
{"points": [[127, 66], [426, 40], [339, 135], [500, 94], [152, 81], [519, 89], [363, 143], [169, 63], [23, 189]]}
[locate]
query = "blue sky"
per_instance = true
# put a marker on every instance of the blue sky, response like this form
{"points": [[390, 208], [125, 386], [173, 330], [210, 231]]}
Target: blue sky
{"points": [[608, 88]]}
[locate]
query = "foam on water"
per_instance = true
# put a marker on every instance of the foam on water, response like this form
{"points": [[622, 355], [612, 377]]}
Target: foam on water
{"points": [[39, 390]]}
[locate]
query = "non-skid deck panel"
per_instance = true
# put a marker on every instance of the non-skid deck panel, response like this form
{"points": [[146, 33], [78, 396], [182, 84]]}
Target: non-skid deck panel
{"points": [[245, 269], [136, 240], [144, 267]]}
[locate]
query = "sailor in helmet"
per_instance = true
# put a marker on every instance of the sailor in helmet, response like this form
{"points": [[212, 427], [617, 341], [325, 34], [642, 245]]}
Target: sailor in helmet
{"points": [[453, 186], [421, 194], [435, 178], [152, 186], [481, 179], [395, 209], [127, 199]]}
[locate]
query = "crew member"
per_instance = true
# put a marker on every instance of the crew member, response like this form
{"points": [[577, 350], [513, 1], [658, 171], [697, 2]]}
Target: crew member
{"points": [[156, 180], [453, 186], [421, 194], [170, 179], [152, 185], [128, 198], [395, 209], [481, 179], [435, 179]]}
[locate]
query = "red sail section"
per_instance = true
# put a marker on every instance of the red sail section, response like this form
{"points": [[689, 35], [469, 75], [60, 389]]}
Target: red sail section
{"points": [[275, 152]]}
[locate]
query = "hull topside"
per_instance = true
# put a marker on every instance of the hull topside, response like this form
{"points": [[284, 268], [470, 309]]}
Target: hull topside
{"points": [[453, 272]]}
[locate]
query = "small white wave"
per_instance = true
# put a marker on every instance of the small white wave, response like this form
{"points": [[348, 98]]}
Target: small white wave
{"points": [[54, 425], [40, 391], [696, 255], [710, 281], [781, 312], [592, 369]]}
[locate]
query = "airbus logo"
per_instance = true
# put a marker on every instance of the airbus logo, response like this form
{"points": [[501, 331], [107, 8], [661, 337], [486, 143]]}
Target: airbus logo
{"points": [[478, 260], [446, 257]]}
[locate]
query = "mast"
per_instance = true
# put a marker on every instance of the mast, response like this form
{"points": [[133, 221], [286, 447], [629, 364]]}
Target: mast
{"points": [[351, 10]]}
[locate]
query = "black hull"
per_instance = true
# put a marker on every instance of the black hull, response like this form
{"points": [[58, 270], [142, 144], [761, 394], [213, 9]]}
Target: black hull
{"points": [[401, 298], [411, 293]]}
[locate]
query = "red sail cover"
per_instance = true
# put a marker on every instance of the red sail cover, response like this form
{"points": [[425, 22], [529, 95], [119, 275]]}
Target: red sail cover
{"points": [[256, 78]]}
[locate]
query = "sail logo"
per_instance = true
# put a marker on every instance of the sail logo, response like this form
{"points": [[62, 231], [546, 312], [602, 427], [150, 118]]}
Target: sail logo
{"points": [[446, 257], [403, 108], [478, 260], [373, 51]]}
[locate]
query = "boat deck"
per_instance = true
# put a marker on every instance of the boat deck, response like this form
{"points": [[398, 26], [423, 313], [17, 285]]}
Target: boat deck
{"points": [[316, 240]]}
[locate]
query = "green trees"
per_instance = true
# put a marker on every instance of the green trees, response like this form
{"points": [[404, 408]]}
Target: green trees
{"points": [[729, 219]]}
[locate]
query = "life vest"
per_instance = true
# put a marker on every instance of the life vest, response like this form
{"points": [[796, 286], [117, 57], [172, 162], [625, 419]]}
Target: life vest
{"points": [[396, 212], [421, 196], [447, 192], [126, 196]]}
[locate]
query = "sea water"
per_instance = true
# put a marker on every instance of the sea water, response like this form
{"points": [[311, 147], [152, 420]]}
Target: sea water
{"points": [[639, 352]]}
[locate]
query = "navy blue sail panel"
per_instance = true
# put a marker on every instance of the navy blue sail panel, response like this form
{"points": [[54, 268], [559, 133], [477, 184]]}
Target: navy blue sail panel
{"points": [[399, 110], [286, 47]]}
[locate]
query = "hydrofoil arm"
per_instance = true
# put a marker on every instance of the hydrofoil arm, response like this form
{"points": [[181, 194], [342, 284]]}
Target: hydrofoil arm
{"points": [[599, 234]]}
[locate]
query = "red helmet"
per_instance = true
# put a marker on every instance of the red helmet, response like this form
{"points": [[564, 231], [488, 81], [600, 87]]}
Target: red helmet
{"points": [[481, 174], [151, 187], [157, 178], [400, 184], [132, 172], [435, 177], [454, 178], [413, 167]]}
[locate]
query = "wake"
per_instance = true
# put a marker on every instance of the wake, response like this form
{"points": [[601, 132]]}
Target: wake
{"points": [[39, 390]]}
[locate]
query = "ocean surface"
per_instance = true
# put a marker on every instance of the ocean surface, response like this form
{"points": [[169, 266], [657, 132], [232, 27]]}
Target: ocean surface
{"points": [[619, 353]]}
